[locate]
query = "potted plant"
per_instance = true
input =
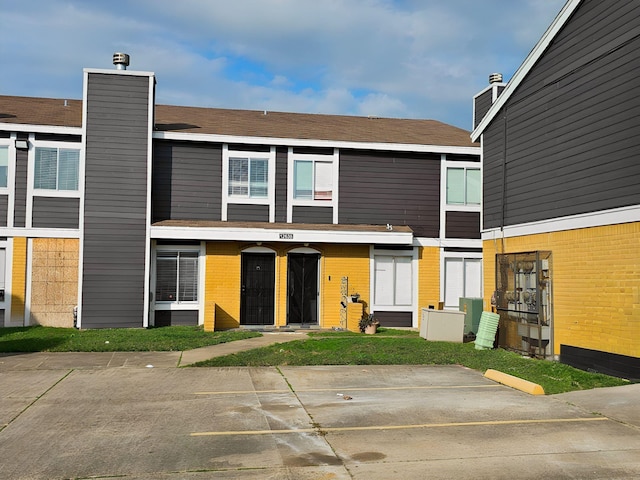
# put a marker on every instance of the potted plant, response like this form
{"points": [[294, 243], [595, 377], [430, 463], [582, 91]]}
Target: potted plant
{"points": [[368, 324], [355, 297]]}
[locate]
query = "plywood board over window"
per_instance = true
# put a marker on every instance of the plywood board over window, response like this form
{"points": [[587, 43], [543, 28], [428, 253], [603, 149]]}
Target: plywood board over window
{"points": [[54, 281]]}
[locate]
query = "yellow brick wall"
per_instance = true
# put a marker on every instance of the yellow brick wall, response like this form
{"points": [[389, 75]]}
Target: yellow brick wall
{"points": [[54, 281], [222, 285], [18, 280], [595, 282], [428, 278], [223, 273], [339, 261]]}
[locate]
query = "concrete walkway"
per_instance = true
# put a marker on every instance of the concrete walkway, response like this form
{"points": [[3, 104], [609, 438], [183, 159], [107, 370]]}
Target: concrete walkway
{"points": [[93, 360], [268, 338]]}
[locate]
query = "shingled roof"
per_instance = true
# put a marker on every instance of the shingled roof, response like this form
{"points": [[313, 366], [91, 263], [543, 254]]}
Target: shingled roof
{"points": [[250, 123]]}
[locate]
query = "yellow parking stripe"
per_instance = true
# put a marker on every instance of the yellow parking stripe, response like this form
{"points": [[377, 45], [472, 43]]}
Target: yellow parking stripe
{"points": [[400, 427], [349, 389]]}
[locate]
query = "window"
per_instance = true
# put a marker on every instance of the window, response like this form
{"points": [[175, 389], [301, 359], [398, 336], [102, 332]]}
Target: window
{"points": [[56, 169], [177, 277], [393, 280], [462, 278], [248, 177], [4, 166], [463, 186], [313, 180]]}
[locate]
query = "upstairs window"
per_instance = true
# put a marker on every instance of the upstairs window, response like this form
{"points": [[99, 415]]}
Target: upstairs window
{"points": [[313, 180], [248, 177], [177, 276], [56, 169], [4, 166], [463, 186]]}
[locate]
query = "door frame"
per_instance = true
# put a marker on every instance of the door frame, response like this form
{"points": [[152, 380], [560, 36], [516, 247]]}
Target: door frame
{"points": [[260, 250], [306, 251]]}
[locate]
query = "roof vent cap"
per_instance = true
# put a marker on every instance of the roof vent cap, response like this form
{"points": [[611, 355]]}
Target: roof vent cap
{"points": [[121, 60], [495, 78]]}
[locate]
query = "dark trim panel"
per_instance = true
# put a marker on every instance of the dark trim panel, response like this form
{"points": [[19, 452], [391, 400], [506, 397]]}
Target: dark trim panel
{"points": [[394, 319], [601, 362], [167, 318]]}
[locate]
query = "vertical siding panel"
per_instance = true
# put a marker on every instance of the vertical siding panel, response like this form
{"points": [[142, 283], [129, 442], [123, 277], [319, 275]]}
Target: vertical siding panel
{"points": [[571, 124], [20, 205], [115, 214], [53, 212], [391, 187], [281, 184], [187, 181]]}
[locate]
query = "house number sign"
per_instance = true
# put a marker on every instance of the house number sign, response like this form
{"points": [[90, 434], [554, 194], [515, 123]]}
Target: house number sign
{"points": [[286, 236]]}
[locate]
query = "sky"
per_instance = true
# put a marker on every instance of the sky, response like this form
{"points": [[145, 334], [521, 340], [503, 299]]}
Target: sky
{"points": [[387, 58]]}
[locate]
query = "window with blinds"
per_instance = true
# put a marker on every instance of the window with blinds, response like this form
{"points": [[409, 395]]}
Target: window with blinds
{"points": [[56, 169], [248, 177], [177, 277]]}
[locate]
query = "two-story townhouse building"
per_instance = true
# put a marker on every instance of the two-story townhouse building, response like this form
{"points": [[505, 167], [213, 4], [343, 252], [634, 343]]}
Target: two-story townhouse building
{"points": [[561, 208], [142, 214]]}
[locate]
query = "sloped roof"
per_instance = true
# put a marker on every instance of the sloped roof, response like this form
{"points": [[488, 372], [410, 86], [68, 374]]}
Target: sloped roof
{"points": [[249, 123], [529, 62]]}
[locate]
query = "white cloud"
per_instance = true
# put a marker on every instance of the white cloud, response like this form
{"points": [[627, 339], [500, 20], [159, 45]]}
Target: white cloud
{"points": [[409, 58]]}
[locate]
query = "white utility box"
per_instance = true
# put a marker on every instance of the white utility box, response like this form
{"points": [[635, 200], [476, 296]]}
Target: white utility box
{"points": [[442, 325]]}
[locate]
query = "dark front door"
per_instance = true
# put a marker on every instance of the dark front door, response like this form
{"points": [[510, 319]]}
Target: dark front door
{"points": [[258, 289], [302, 288]]}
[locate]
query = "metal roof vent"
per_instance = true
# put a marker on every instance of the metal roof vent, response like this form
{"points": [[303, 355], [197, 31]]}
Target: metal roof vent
{"points": [[493, 78], [121, 60]]}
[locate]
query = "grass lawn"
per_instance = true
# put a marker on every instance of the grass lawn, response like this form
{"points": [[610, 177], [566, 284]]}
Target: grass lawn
{"points": [[402, 347], [49, 339], [387, 347]]}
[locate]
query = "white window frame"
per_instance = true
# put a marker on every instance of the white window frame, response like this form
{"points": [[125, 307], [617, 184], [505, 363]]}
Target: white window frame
{"points": [[11, 157], [413, 306], [334, 159], [269, 200], [45, 192], [464, 256], [465, 169], [456, 207], [176, 305]]}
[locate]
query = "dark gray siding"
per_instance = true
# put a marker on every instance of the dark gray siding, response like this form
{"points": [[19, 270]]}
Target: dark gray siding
{"points": [[4, 206], [55, 212], [281, 184], [247, 213], [394, 319], [462, 225], [187, 181], [166, 318], [115, 214], [20, 204], [482, 105], [305, 214], [390, 187], [570, 129]]}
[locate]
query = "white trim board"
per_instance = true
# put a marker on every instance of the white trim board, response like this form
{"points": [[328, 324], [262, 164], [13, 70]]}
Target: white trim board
{"points": [[284, 235], [586, 220], [26, 127], [296, 142]]}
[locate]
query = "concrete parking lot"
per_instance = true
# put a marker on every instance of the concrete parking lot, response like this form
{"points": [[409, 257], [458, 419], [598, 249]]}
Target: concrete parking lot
{"points": [[329, 422]]}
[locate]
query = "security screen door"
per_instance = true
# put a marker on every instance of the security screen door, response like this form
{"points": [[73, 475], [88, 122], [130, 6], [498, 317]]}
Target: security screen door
{"points": [[302, 289], [257, 289]]}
